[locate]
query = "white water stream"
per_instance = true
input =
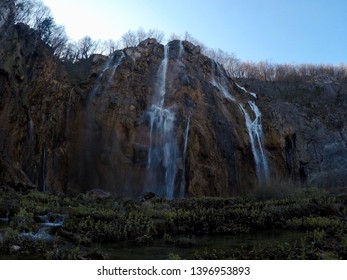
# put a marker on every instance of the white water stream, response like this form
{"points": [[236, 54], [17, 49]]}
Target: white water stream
{"points": [[184, 158], [254, 127], [112, 63], [163, 153]]}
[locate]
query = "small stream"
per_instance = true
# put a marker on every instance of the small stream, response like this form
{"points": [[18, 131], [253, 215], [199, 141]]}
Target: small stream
{"points": [[47, 223]]}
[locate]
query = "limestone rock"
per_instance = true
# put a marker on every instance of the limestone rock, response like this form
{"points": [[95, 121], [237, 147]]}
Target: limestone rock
{"points": [[70, 130]]}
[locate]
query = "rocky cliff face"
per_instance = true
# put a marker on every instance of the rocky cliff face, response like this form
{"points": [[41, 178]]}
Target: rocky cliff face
{"points": [[116, 131], [161, 119], [33, 91], [306, 130]]}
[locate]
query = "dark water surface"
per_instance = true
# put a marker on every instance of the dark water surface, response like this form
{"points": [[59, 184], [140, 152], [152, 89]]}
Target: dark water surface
{"points": [[159, 249]]}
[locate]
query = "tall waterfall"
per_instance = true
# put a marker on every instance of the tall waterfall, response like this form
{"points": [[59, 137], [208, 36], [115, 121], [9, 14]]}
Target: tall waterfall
{"points": [[254, 127], [184, 158], [162, 154], [256, 138], [91, 140]]}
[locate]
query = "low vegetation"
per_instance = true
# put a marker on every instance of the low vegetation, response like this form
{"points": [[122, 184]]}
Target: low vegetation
{"points": [[316, 216]]}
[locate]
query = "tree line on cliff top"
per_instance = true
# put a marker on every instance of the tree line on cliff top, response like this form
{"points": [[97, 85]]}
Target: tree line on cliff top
{"points": [[39, 17]]}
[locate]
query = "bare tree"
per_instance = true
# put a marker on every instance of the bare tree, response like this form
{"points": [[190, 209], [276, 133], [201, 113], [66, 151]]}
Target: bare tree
{"points": [[112, 46], [133, 38], [42, 14], [156, 34], [38, 16], [69, 53], [86, 47], [44, 29], [141, 35], [129, 39], [32, 13], [174, 36], [24, 11], [58, 40]]}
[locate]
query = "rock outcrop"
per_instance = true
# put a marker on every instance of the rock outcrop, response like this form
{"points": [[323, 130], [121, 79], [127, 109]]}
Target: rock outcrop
{"points": [[103, 129]]}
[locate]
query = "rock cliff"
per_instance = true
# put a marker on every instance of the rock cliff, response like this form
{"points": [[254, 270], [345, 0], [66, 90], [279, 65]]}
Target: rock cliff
{"points": [[306, 130], [164, 119], [110, 127]]}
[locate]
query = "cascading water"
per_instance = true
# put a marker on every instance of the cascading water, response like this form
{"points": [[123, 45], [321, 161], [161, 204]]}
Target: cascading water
{"points": [[113, 63], [181, 50], [91, 141], [68, 112], [159, 95], [43, 169], [242, 88], [31, 129], [255, 132], [254, 128], [162, 154], [221, 85], [184, 158], [47, 223], [117, 62]]}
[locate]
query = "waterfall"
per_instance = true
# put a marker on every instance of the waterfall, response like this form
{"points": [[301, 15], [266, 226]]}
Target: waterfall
{"points": [[159, 95], [162, 154], [256, 138], [31, 129], [112, 63], [222, 83], [47, 223], [117, 62], [184, 158], [92, 139], [243, 89], [43, 168], [254, 127], [226, 94], [181, 50], [68, 112]]}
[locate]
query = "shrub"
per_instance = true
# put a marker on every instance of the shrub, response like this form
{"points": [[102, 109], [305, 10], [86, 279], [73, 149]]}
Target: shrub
{"points": [[23, 221]]}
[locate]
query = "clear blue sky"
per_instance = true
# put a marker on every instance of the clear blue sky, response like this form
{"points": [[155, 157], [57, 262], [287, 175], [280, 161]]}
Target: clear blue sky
{"points": [[280, 31]]}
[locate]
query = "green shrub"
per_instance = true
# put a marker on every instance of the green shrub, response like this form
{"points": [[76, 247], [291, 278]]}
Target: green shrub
{"points": [[10, 237], [23, 221]]}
